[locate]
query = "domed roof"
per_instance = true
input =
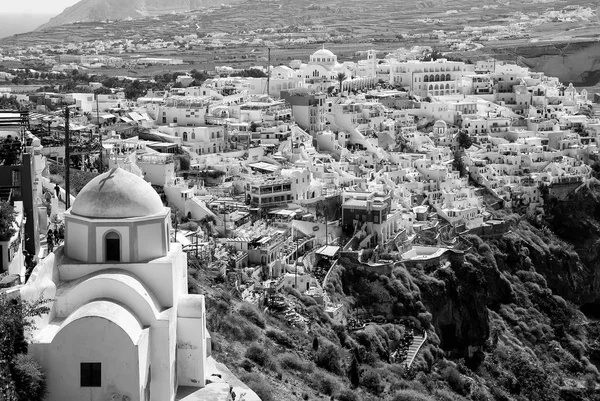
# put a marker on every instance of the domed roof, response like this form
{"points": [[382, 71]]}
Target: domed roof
{"points": [[117, 194], [323, 53], [440, 123]]}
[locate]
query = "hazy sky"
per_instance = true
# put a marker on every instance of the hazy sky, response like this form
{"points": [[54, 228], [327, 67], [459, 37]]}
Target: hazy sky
{"points": [[36, 6]]}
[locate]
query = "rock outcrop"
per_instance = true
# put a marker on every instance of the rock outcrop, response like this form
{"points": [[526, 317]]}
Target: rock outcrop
{"points": [[577, 62]]}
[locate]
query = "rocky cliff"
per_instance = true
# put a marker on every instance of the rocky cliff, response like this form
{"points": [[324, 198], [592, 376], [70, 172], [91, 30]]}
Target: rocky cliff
{"points": [[576, 220], [99, 10], [577, 62]]}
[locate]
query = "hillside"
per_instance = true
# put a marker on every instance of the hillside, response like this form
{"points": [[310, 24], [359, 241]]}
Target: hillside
{"points": [[294, 29], [100, 10], [503, 321]]}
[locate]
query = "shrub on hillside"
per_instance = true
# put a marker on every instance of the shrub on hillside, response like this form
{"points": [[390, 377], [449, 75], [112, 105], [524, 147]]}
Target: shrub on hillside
{"points": [[455, 380], [294, 362], [324, 383], [371, 380], [411, 395], [260, 386], [347, 395], [216, 313], [280, 338], [257, 354], [305, 299], [252, 314], [239, 329], [318, 313], [328, 357], [78, 178], [29, 379], [446, 395]]}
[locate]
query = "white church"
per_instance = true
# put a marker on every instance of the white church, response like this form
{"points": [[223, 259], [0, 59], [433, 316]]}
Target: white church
{"points": [[121, 325], [323, 65]]}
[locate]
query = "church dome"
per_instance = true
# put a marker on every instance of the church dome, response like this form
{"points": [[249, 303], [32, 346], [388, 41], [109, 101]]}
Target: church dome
{"points": [[117, 194], [323, 53]]}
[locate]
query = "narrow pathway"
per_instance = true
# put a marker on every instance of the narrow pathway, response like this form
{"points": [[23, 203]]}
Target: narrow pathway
{"points": [[414, 348]]}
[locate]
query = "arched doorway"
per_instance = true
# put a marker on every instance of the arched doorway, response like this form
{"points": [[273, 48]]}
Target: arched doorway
{"points": [[112, 247]]}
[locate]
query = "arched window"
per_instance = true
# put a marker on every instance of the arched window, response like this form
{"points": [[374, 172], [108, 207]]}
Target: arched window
{"points": [[448, 77], [185, 137], [426, 78], [112, 246], [447, 86], [430, 87], [431, 78], [437, 77], [193, 135], [436, 87]]}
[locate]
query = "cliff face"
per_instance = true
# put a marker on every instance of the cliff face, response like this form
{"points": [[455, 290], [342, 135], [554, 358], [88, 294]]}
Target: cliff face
{"points": [[99, 10], [578, 63], [576, 220]]}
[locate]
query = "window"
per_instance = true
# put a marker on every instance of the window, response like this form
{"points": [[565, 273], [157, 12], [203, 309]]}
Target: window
{"points": [[112, 247], [185, 136], [91, 374], [175, 120]]}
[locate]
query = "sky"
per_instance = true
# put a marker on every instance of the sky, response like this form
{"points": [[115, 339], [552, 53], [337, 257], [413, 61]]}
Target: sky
{"points": [[53, 7]]}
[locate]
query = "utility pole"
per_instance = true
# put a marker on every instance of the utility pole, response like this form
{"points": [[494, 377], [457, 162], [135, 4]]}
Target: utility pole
{"points": [[326, 233], [67, 162], [101, 166], [268, 69]]}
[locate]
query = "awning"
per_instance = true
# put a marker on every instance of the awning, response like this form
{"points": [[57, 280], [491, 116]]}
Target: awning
{"points": [[127, 120], [107, 115], [136, 116], [264, 166], [328, 251]]}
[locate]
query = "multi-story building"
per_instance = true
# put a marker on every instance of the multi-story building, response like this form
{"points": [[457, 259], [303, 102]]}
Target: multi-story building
{"points": [[428, 78], [373, 211], [202, 139], [181, 111], [308, 108], [269, 192]]}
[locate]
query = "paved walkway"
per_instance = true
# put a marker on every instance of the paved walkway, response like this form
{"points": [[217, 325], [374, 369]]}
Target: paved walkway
{"points": [[43, 252]]}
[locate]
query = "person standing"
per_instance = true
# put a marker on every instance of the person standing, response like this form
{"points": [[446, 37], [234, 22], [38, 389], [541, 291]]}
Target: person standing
{"points": [[50, 243], [57, 190]]}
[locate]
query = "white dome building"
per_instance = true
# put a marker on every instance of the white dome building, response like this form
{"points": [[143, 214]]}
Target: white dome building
{"points": [[121, 323], [323, 68], [323, 57], [117, 217]]}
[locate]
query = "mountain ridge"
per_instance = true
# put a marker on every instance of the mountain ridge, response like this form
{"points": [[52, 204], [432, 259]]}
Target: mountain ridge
{"points": [[99, 10]]}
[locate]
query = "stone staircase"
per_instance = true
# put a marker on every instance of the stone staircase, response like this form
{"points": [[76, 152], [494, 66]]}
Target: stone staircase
{"points": [[414, 348]]}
